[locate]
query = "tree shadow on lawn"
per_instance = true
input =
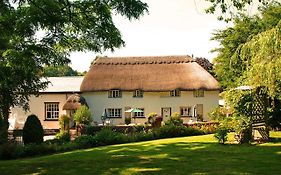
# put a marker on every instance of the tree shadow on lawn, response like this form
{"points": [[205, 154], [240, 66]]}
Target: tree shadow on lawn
{"points": [[150, 158]]}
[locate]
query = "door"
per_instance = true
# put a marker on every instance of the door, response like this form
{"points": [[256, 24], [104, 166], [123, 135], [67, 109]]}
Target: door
{"points": [[199, 112], [166, 113], [128, 114]]}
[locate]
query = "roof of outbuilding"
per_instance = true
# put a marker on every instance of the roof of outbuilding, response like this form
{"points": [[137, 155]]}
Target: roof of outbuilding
{"points": [[63, 84], [157, 73], [74, 102]]}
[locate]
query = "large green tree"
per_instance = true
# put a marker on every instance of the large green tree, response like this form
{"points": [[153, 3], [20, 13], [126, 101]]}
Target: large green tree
{"points": [[228, 9], [250, 54], [231, 63], [34, 33], [59, 71]]}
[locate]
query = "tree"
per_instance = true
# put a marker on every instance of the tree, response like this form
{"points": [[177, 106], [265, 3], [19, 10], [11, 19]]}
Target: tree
{"points": [[230, 65], [229, 9], [250, 55], [59, 71], [83, 115], [35, 33], [32, 131]]}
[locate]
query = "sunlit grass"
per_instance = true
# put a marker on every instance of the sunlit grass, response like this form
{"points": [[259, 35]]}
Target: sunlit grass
{"points": [[185, 155]]}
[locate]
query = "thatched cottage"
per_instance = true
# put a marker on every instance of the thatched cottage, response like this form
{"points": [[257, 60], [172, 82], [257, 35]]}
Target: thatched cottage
{"points": [[162, 84], [114, 85]]}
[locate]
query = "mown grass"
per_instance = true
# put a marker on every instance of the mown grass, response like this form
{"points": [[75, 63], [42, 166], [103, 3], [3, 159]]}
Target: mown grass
{"points": [[185, 155]]}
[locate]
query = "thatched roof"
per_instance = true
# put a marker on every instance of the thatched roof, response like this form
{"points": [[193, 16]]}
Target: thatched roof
{"points": [[74, 102], [160, 73]]}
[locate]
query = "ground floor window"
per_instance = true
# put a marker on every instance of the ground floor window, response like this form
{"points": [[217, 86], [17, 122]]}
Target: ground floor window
{"points": [[139, 114], [114, 112], [51, 111], [186, 111]]}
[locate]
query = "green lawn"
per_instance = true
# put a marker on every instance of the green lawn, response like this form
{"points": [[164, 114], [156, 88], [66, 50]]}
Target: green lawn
{"points": [[186, 155]]}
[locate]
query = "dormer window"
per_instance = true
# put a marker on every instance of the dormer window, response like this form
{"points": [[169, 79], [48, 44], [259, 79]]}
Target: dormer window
{"points": [[138, 93], [114, 94], [175, 93]]}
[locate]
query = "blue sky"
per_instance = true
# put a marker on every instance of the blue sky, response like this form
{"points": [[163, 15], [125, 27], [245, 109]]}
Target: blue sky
{"points": [[172, 27]]}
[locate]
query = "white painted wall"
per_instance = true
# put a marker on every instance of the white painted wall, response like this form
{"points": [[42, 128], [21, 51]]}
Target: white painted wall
{"points": [[37, 107], [98, 101], [151, 102]]}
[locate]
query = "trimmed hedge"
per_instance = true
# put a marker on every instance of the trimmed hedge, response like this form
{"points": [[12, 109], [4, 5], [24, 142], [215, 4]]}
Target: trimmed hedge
{"points": [[92, 130], [106, 136], [206, 127]]}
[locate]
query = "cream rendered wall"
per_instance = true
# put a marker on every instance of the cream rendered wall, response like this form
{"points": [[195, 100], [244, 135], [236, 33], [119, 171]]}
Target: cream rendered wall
{"points": [[151, 102], [37, 107]]}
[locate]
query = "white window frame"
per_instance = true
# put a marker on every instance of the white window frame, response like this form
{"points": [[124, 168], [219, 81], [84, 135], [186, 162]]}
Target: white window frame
{"points": [[186, 111], [114, 112], [52, 111], [138, 93], [198, 93], [175, 93], [114, 94], [139, 114]]}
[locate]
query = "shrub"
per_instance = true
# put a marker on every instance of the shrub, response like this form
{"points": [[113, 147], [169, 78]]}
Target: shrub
{"points": [[169, 131], [243, 129], [69, 146], [64, 123], [208, 128], [138, 128], [33, 131], [63, 137], [175, 119], [7, 151], [12, 151], [142, 136], [83, 115], [38, 149], [244, 136], [91, 130], [85, 141], [108, 137], [221, 134]]}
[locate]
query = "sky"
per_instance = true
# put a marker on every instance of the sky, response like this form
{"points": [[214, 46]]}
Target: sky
{"points": [[172, 27]]}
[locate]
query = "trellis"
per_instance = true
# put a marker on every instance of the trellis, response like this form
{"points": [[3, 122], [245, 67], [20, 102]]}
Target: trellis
{"points": [[259, 116]]}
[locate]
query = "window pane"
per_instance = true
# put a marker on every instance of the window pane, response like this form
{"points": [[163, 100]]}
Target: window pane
{"points": [[186, 111], [51, 110]]}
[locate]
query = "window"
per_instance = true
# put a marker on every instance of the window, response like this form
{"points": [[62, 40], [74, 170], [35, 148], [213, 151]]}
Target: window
{"points": [[114, 112], [139, 114], [186, 111], [114, 94], [138, 93], [198, 93], [175, 93], [52, 111]]}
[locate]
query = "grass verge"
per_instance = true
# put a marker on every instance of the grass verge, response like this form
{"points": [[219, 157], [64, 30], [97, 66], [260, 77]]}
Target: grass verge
{"points": [[185, 155]]}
